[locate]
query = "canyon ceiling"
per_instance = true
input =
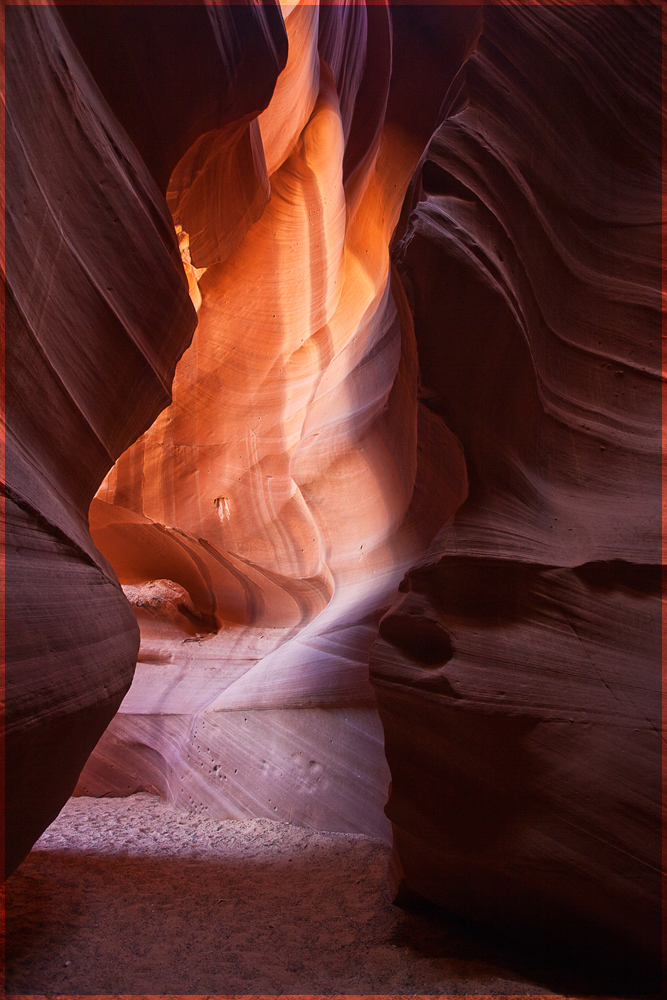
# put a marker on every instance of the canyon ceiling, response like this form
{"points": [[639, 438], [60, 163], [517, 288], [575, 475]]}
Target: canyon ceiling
{"points": [[333, 435]]}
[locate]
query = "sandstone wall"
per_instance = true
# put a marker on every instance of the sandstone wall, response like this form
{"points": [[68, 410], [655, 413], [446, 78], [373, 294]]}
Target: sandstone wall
{"points": [[519, 676]]}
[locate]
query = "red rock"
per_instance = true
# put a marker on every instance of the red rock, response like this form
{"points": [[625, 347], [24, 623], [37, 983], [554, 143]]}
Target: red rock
{"points": [[525, 753], [97, 315]]}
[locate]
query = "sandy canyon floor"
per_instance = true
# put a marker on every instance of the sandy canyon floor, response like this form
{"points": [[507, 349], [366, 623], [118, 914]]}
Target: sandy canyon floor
{"points": [[131, 896]]}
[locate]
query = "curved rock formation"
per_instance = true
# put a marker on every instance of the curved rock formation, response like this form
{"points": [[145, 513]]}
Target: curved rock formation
{"points": [[97, 314], [277, 493], [519, 677]]}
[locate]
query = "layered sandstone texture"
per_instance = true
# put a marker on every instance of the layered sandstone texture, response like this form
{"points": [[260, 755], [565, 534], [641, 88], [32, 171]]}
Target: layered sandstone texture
{"points": [[274, 507], [518, 677], [98, 313], [475, 419]]}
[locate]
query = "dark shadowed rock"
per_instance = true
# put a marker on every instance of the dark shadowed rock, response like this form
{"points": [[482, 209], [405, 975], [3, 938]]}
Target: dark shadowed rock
{"points": [[525, 768]]}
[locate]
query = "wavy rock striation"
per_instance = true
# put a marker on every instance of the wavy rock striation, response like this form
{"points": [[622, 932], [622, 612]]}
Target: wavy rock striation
{"points": [[518, 677], [97, 313]]}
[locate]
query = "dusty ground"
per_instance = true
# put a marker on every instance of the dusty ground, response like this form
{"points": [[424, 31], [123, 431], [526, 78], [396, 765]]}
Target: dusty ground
{"points": [[130, 896]]}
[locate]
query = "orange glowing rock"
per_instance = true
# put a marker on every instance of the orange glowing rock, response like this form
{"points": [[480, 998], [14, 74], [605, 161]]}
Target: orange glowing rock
{"points": [[275, 492]]}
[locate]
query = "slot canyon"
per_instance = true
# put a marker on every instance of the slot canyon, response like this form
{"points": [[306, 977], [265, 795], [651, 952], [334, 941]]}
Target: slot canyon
{"points": [[332, 469]]}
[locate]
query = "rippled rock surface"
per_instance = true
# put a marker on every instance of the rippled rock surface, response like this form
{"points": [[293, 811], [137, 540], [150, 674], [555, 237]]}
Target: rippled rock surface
{"points": [[519, 676]]}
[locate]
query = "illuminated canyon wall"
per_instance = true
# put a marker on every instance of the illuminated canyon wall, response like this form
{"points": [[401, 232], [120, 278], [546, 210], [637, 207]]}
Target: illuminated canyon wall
{"points": [[275, 506], [474, 418]]}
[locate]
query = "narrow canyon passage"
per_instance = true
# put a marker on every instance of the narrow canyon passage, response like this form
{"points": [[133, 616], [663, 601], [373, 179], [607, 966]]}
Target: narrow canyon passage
{"points": [[332, 509]]}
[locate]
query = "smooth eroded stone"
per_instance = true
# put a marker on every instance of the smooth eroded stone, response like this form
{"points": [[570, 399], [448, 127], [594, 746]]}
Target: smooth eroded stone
{"points": [[319, 768], [525, 754], [98, 313], [270, 512]]}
